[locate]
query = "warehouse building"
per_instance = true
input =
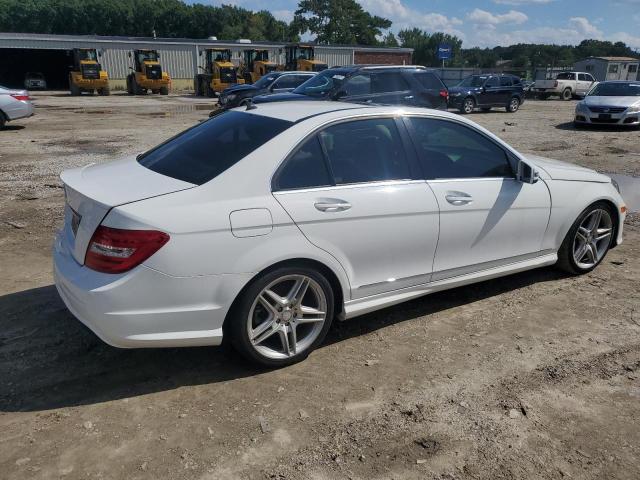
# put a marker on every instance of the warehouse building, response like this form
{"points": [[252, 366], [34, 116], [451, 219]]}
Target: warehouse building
{"points": [[610, 68], [181, 58]]}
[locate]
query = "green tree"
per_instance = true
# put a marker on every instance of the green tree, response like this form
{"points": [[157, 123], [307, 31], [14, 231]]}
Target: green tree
{"points": [[339, 21], [425, 46]]}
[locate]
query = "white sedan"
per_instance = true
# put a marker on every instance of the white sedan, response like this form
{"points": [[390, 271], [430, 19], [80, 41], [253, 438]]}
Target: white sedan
{"points": [[14, 104], [262, 225]]}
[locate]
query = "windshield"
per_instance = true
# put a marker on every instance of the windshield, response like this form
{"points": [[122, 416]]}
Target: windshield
{"points": [[265, 81], [323, 83], [204, 151], [87, 55], [607, 89], [148, 56], [473, 81]]}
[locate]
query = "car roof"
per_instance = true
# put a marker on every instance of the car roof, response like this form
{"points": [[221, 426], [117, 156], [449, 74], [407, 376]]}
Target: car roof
{"points": [[296, 111], [296, 72]]}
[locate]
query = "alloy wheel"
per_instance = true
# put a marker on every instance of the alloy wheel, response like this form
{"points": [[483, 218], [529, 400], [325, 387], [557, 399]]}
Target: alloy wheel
{"points": [[514, 104], [592, 238], [468, 105], [287, 317]]}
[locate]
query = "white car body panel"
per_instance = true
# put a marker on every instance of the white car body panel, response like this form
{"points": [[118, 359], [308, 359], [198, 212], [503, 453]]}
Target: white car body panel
{"points": [[399, 239], [12, 108]]}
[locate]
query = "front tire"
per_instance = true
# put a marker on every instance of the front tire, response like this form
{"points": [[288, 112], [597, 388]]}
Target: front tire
{"points": [[588, 240], [164, 91], [566, 94], [514, 105], [282, 316]]}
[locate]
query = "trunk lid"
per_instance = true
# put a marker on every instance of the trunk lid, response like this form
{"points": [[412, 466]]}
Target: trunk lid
{"points": [[93, 190]]}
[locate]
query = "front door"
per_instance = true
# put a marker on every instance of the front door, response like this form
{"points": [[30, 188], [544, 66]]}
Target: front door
{"points": [[487, 217], [352, 193]]}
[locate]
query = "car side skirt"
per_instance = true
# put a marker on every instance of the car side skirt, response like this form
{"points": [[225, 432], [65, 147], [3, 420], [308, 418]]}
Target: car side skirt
{"points": [[365, 305]]}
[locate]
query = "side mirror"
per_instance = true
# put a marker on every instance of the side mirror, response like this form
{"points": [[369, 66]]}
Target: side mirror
{"points": [[526, 173]]}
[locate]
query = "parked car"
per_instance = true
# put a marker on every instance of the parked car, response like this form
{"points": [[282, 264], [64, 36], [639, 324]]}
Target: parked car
{"points": [[487, 91], [34, 81], [261, 226], [610, 103], [567, 85], [383, 85], [275, 82], [14, 104], [527, 85]]}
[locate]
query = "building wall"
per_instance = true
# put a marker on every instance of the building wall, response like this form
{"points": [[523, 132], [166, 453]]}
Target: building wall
{"points": [[603, 69], [384, 58]]}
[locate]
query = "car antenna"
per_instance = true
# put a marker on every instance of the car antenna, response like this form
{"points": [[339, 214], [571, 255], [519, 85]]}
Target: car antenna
{"points": [[251, 105]]}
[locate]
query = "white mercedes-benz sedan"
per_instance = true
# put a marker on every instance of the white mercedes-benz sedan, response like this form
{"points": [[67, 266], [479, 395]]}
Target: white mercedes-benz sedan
{"points": [[262, 225]]}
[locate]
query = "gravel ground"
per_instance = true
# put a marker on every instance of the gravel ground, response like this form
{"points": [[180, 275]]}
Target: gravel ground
{"points": [[536, 375]]}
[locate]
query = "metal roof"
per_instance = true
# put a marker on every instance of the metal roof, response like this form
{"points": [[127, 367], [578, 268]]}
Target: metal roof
{"points": [[614, 59], [185, 41]]}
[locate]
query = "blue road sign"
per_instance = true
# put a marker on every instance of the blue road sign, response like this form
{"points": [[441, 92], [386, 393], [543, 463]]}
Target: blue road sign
{"points": [[445, 51]]}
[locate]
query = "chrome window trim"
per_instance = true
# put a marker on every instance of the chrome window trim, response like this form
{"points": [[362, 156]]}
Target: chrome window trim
{"points": [[349, 186]]}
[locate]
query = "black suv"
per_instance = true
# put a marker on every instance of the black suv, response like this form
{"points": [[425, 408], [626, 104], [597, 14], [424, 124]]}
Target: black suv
{"points": [[387, 85], [274, 82], [486, 91]]}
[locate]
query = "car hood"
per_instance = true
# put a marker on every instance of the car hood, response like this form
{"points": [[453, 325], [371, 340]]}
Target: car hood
{"points": [[608, 101], [282, 97], [559, 170], [238, 88]]}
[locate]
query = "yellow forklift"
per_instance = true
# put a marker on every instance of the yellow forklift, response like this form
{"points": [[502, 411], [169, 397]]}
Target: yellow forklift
{"points": [[86, 74], [147, 74], [256, 64], [219, 72], [301, 57]]}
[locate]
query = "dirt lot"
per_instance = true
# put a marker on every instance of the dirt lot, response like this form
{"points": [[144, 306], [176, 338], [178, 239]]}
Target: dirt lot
{"points": [[532, 376]]}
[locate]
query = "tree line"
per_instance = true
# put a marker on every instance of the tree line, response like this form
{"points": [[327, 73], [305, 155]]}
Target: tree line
{"points": [[328, 21]]}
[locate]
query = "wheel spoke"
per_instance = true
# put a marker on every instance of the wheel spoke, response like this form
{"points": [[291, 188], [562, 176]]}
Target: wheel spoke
{"points": [[293, 340], [284, 339], [298, 291], [602, 233], [275, 297], [310, 315], [583, 233], [592, 253], [267, 304], [264, 331], [580, 253], [595, 221]]}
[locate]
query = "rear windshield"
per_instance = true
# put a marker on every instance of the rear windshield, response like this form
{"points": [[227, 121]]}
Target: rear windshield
{"points": [[203, 152]]}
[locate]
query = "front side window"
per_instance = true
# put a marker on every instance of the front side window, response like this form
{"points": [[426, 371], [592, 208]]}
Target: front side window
{"points": [[286, 81], [506, 82], [204, 151], [473, 81], [365, 151], [449, 150], [358, 85], [323, 83], [492, 82]]}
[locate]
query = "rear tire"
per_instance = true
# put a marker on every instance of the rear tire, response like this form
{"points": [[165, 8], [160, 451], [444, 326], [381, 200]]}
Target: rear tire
{"points": [[105, 91], [588, 240], [73, 88], [468, 105], [566, 94], [272, 326], [164, 91], [3, 120]]}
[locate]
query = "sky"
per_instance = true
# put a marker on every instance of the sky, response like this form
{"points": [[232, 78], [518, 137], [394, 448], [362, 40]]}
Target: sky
{"points": [[487, 23]]}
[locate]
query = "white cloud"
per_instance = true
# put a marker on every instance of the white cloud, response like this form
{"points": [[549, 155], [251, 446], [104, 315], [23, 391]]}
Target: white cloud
{"points": [[405, 17], [583, 26], [522, 2], [631, 40], [285, 15], [483, 17]]}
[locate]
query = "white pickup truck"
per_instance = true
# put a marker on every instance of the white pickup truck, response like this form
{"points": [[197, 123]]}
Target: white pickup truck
{"points": [[567, 85]]}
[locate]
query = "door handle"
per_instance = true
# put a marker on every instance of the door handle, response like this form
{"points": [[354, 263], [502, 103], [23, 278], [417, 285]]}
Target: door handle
{"points": [[458, 198], [333, 206]]}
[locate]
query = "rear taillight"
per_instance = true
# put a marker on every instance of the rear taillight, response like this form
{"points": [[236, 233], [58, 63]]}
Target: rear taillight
{"points": [[112, 250], [444, 94], [22, 98]]}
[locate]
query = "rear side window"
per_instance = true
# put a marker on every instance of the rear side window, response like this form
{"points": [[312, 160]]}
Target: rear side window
{"points": [[365, 151], [306, 168], [492, 82], [204, 151], [429, 81], [448, 150], [358, 85], [506, 82], [388, 82]]}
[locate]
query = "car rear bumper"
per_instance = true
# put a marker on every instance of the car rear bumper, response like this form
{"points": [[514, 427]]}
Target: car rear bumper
{"points": [[144, 307], [19, 109]]}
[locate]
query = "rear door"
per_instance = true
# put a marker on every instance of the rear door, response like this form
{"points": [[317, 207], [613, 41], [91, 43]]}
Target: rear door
{"points": [[353, 192], [431, 92], [487, 217]]}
